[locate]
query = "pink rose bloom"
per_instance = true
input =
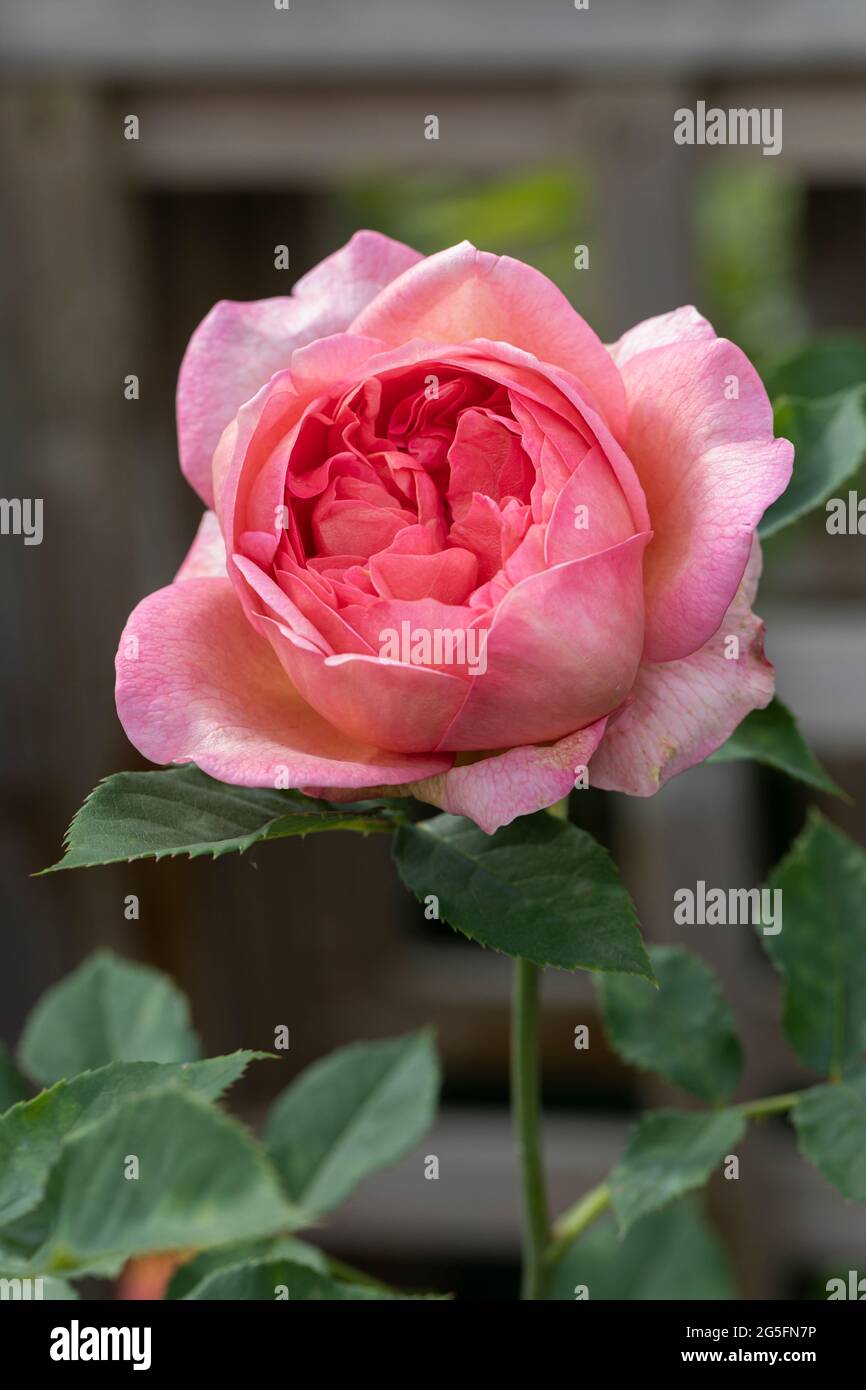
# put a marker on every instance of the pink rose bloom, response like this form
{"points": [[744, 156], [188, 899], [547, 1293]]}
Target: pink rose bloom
{"points": [[455, 546]]}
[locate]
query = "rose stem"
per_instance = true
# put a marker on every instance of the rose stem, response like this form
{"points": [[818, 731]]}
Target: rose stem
{"points": [[526, 1105]]}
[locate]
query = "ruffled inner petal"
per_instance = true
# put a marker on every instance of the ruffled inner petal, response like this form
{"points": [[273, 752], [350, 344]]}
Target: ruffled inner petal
{"points": [[407, 508]]}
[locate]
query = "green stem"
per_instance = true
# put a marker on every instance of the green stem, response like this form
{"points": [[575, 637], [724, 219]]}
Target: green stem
{"points": [[768, 1105], [526, 1109], [594, 1203], [526, 1103], [574, 1222]]}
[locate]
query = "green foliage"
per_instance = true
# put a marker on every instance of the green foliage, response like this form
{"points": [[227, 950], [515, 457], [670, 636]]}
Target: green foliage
{"points": [[180, 810], [831, 1128], [539, 888], [347, 1116], [670, 1152], [828, 364], [32, 1133], [683, 1030], [108, 1010], [267, 1280], [670, 1255], [135, 1156], [819, 393], [279, 1268], [820, 949], [263, 1250], [201, 1180], [771, 736], [829, 438]]}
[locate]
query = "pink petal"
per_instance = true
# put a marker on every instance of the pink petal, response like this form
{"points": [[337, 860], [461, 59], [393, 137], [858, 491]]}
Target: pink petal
{"points": [[448, 576], [238, 346], [678, 326], [528, 556], [249, 463], [259, 546], [493, 791], [298, 585], [563, 650], [368, 697], [486, 457], [684, 710], [264, 601], [480, 530], [607, 518], [462, 294], [206, 558], [329, 359], [205, 688], [567, 415], [709, 467], [341, 524], [389, 623]]}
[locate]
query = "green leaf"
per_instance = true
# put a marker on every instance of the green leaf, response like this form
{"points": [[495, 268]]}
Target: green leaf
{"points": [[59, 1290], [267, 1281], [771, 736], [684, 1029], [670, 1152], [156, 815], [32, 1133], [352, 1113], [539, 888], [825, 366], [671, 1255], [271, 1248], [108, 1010], [829, 437], [202, 1182], [13, 1087], [256, 1269], [820, 949], [831, 1129]]}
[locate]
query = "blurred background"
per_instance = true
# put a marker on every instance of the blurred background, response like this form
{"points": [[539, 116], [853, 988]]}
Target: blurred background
{"points": [[261, 127]]}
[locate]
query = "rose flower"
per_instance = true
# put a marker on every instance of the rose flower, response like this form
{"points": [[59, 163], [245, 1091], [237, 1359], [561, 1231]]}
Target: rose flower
{"points": [[454, 545]]}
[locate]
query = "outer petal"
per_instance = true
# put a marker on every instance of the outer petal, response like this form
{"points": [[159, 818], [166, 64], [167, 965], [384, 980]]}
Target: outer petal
{"points": [[710, 467], [239, 346], [401, 707], [205, 688], [462, 294], [206, 558], [563, 650], [683, 711], [495, 790], [677, 326]]}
